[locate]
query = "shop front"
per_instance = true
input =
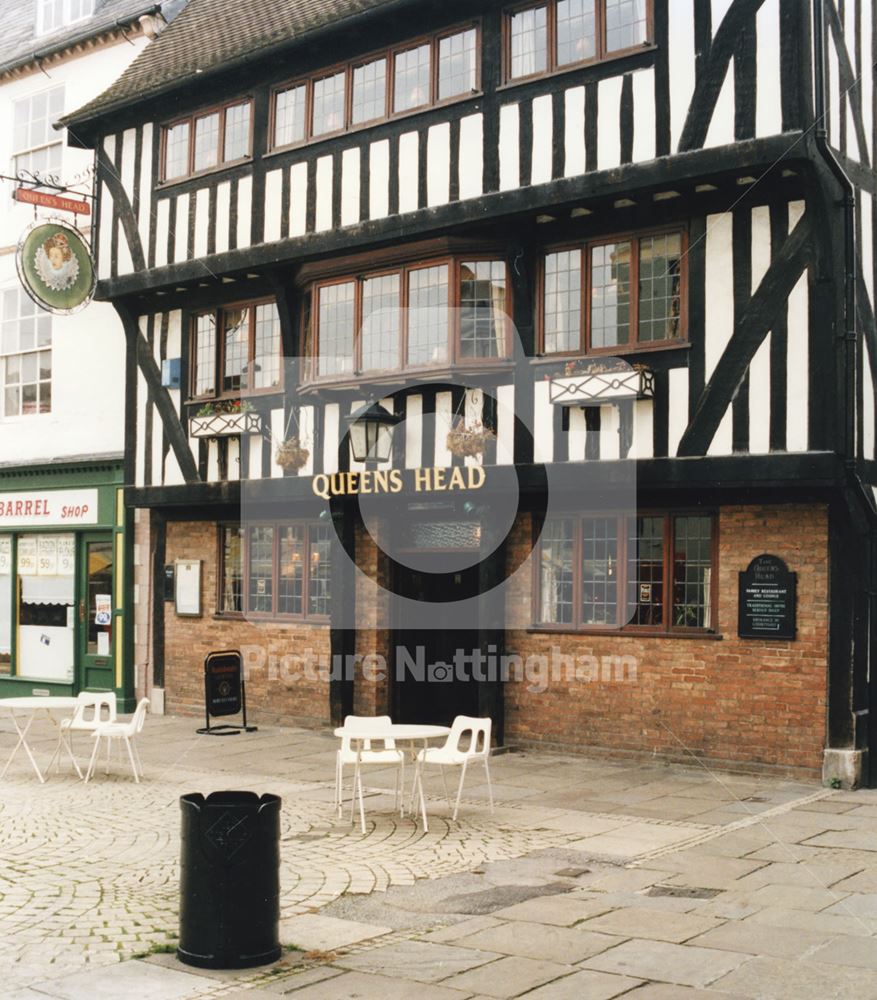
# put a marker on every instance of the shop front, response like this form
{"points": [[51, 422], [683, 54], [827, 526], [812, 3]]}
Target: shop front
{"points": [[63, 590]]}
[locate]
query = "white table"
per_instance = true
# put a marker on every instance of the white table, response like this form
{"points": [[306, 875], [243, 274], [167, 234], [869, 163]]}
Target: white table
{"points": [[410, 734], [29, 708]]}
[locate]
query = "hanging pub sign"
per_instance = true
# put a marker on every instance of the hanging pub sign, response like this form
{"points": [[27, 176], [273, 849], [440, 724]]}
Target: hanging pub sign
{"points": [[225, 692], [767, 600], [55, 266], [29, 196]]}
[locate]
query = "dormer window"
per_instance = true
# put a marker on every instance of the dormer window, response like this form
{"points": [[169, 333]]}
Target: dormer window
{"points": [[55, 14]]}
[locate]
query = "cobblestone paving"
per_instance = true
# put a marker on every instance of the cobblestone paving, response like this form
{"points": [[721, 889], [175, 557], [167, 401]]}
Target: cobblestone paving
{"points": [[89, 873]]}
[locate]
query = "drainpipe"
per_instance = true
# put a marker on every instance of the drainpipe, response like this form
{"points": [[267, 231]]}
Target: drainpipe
{"points": [[849, 338]]}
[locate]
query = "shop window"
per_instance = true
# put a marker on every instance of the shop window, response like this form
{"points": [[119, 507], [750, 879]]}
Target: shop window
{"points": [[275, 570], [25, 356], [240, 343], [206, 140], [550, 36], [614, 296], [54, 14], [653, 572], [37, 149], [419, 316], [43, 605], [440, 67]]}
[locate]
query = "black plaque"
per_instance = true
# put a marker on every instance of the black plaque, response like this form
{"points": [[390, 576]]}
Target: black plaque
{"points": [[768, 599], [225, 692]]}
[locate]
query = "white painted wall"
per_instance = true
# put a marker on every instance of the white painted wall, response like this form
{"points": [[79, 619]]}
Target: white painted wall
{"points": [[88, 349]]}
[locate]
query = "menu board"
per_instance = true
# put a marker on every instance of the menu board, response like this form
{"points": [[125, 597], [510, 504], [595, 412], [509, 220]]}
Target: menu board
{"points": [[767, 600]]}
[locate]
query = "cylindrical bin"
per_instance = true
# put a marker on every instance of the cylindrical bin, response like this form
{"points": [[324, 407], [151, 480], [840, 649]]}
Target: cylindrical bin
{"points": [[229, 880]]}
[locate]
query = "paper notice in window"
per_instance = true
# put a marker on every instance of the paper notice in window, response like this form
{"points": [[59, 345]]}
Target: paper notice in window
{"points": [[103, 609], [103, 644]]}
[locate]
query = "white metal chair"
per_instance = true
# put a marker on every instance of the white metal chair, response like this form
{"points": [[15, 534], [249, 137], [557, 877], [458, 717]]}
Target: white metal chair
{"points": [[468, 740], [357, 752], [92, 709], [125, 731]]}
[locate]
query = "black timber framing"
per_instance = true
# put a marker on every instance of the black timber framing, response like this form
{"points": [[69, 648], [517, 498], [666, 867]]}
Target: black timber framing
{"points": [[772, 153]]}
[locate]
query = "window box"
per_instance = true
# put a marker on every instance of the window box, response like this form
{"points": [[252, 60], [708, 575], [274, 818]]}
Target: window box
{"points": [[607, 385], [216, 425]]}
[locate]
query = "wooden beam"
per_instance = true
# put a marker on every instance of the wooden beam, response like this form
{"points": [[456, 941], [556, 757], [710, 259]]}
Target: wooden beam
{"points": [[753, 326], [110, 176], [715, 68], [179, 442]]}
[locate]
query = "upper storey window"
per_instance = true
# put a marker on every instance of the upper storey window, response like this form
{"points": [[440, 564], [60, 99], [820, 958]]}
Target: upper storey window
{"points": [[424, 315], [626, 293], [544, 37], [37, 147], [25, 356], [441, 67], [208, 139], [236, 349], [54, 14]]}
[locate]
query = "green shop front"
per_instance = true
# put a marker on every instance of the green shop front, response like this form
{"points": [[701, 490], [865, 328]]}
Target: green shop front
{"points": [[64, 567]]}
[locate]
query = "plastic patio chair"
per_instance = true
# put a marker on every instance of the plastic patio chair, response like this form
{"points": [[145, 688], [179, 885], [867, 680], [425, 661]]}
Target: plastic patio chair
{"points": [[92, 709], [124, 731], [358, 752], [468, 740]]}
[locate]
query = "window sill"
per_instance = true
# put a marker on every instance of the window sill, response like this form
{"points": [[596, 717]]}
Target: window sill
{"points": [[605, 353], [352, 130], [200, 174], [405, 378], [625, 633], [522, 81], [234, 616]]}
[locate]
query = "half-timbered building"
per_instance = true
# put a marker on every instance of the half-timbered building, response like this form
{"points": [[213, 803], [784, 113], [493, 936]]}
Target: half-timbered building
{"points": [[459, 213]]}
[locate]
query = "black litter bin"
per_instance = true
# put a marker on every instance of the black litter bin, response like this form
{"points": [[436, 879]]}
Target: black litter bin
{"points": [[229, 880]]}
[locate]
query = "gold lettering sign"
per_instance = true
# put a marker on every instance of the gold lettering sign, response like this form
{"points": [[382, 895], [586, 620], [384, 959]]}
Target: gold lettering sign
{"points": [[344, 484]]}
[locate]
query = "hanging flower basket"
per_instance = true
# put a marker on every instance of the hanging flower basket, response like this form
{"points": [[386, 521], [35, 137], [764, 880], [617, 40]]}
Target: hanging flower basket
{"points": [[468, 442], [593, 382], [290, 455]]}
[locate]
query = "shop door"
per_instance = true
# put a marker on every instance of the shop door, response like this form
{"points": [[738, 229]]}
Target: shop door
{"points": [[44, 607], [96, 670], [437, 694]]}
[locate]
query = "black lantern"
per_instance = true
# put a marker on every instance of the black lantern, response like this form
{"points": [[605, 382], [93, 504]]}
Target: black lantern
{"points": [[371, 434]]}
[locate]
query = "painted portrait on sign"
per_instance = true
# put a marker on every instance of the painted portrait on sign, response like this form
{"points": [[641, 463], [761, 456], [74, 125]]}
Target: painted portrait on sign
{"points": [[55, 266]]}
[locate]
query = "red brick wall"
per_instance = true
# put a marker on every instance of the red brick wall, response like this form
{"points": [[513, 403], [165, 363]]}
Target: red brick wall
{"points": [[279, 683], [727, 700]]}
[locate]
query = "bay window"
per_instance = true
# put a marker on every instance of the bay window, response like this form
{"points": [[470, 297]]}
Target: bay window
{"points": [[652, 572], [275, 570], [236, 349], [625, 293], [419, 316], [552, 35]]}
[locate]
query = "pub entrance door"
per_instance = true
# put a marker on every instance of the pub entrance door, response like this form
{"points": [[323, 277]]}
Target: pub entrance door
{"points": [[426, 688]]}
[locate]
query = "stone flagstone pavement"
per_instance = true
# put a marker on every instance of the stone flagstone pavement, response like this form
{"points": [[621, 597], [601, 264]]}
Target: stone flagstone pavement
{"points": [[592, 879]]}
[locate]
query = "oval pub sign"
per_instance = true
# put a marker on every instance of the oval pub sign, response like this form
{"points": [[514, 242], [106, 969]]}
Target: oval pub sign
{"points": [[55, 267]]}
